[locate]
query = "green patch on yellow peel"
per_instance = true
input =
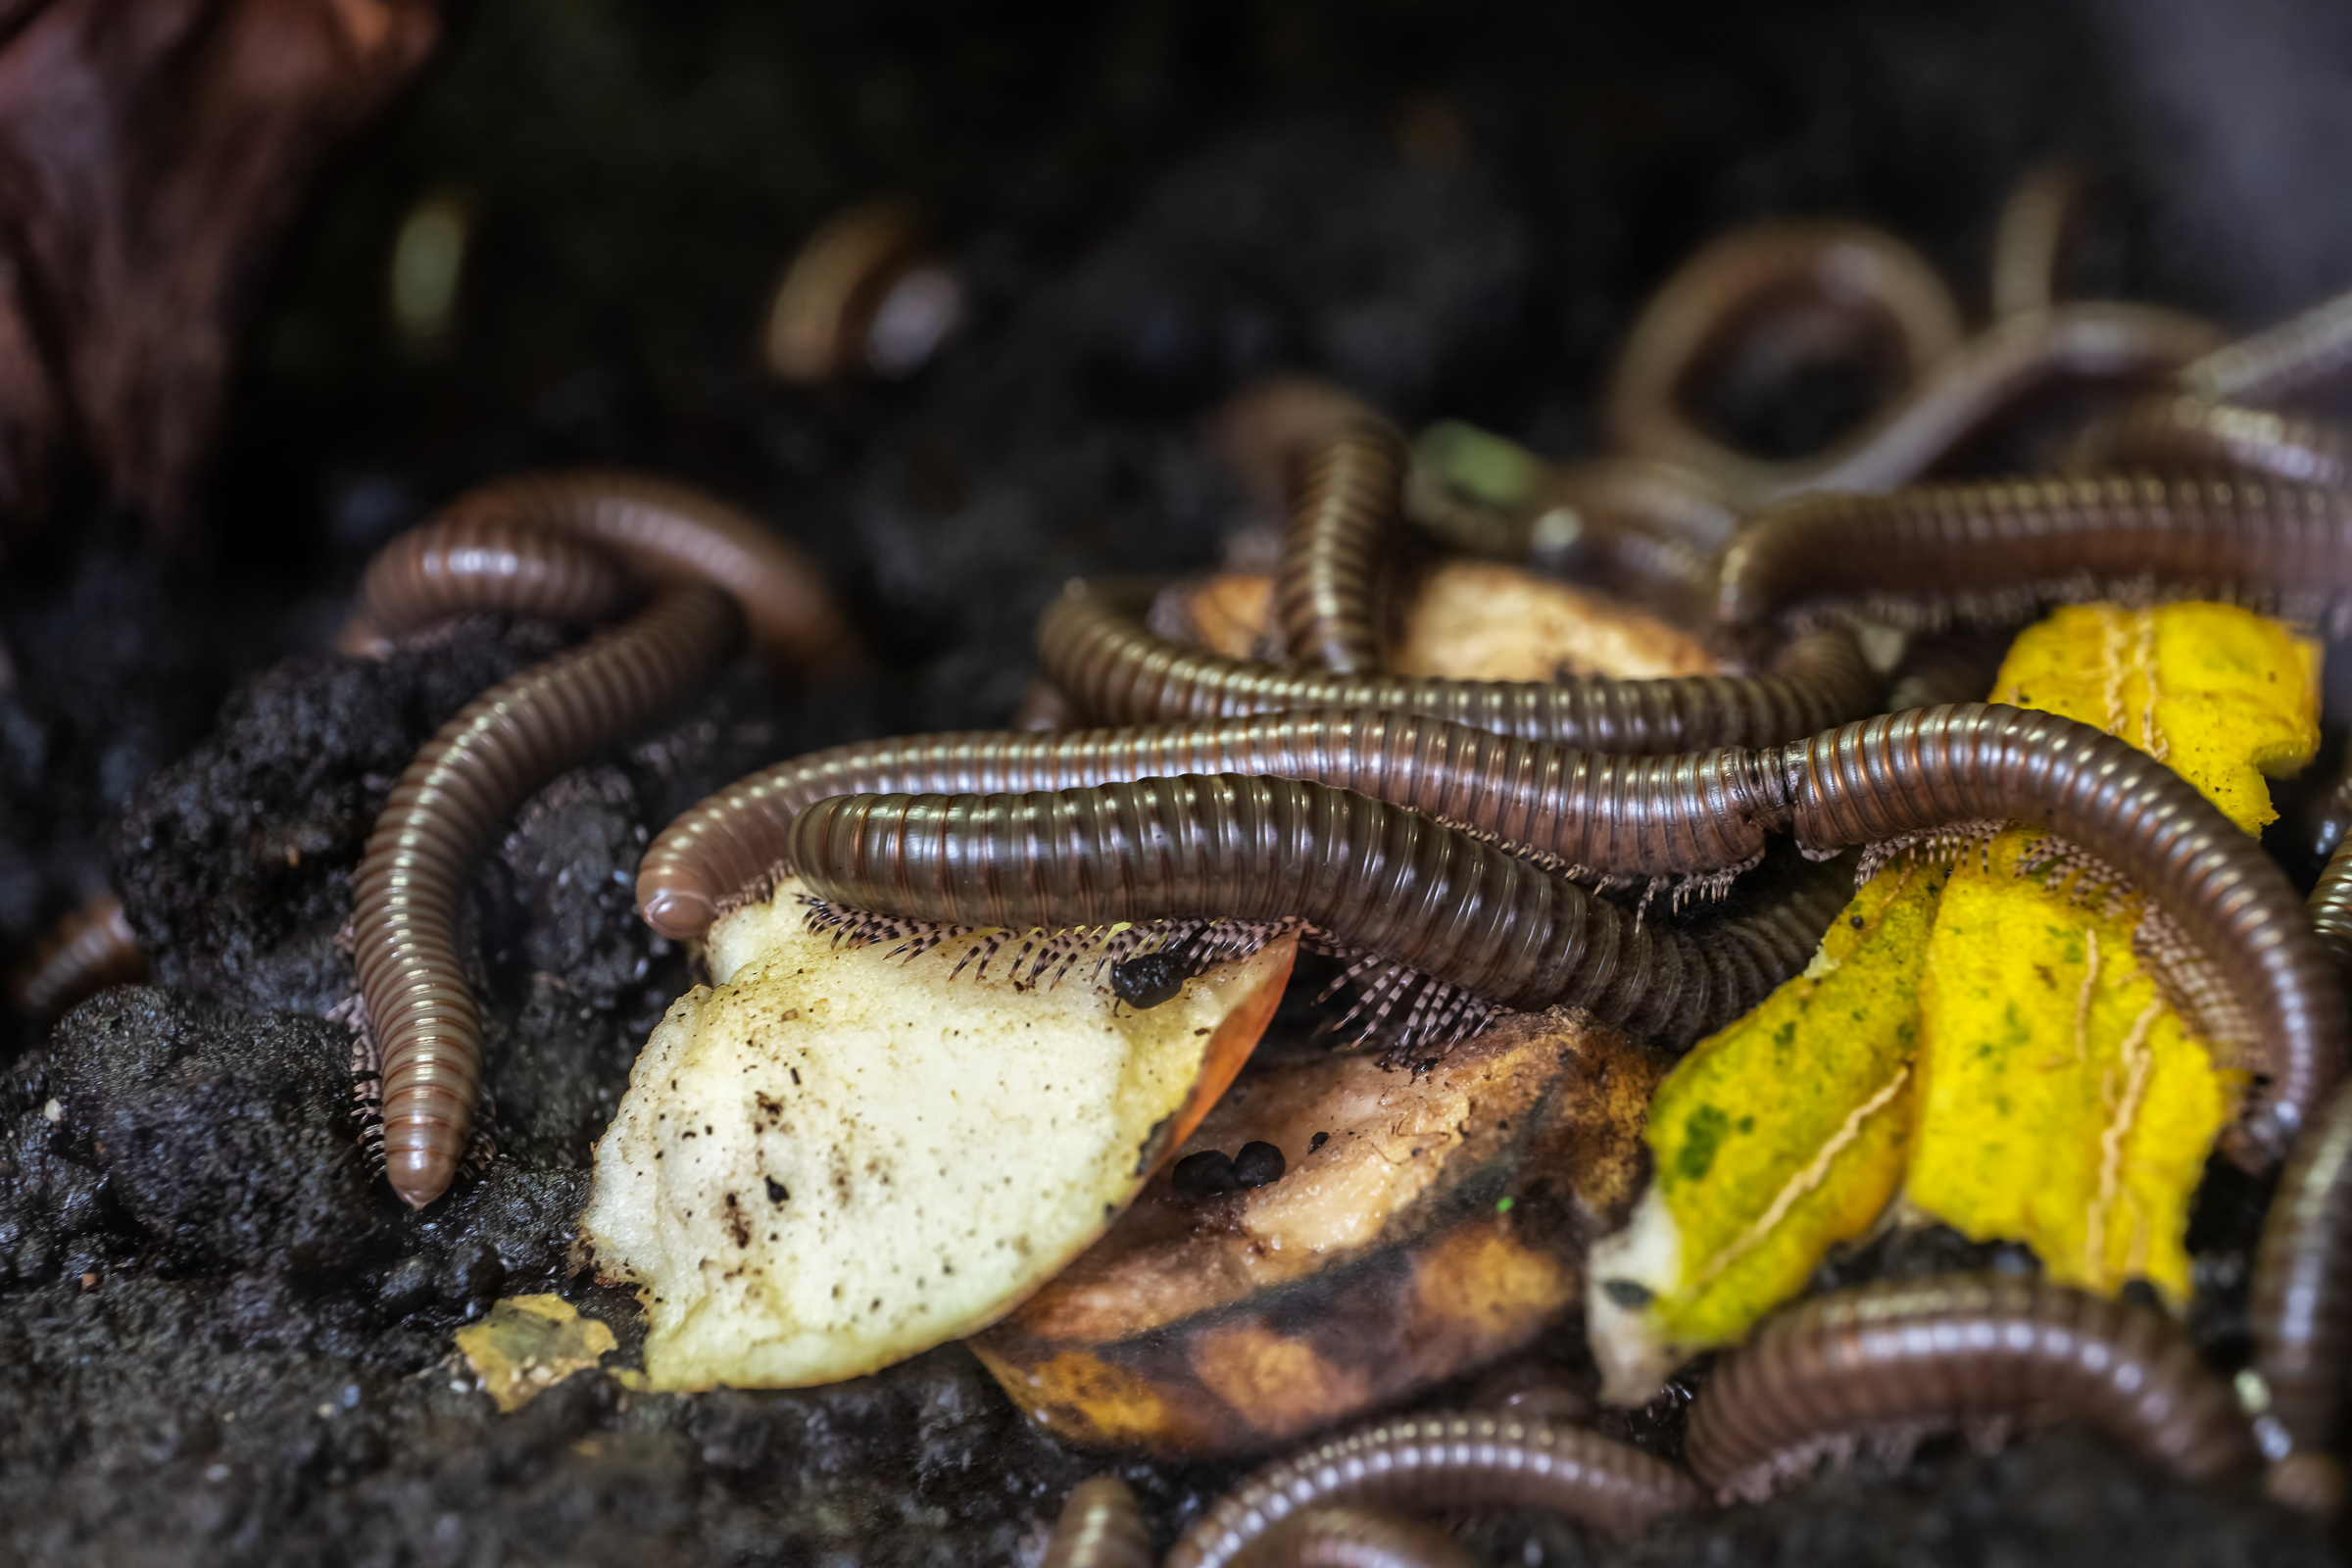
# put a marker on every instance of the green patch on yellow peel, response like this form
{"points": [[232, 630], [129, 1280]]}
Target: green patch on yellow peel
{"points": [[1774, 1139], [529, 1343], [1985, 1042], [2062, 1104]]}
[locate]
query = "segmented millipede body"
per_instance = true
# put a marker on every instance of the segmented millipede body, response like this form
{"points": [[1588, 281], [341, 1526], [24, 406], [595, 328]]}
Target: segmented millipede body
{"points": [[1895, 1356], [1100, 1526], [507, 743], [1672, 815], [671, 533], [1444, 1461], [1093, 645], [2301, 1313], [1474, 925], [2300, 353], [1984, 377], [2029, 242], [89, 947], [1747, 275], [1347, 496], [454, 566], [2330, 902], [1998, 551], [1356, 1537], [1904, 774], [2180, 433]]}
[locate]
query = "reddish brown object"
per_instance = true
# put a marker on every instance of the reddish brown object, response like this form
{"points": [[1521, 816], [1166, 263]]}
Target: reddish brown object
{"points": [[1101, 1526], [1993, 553], [1444, 1461], [1093, 644], [507, 743], [1356, 1537], [90, 948], [1899, 1355], [151, 152], [1347, 496], [1693, 812]]}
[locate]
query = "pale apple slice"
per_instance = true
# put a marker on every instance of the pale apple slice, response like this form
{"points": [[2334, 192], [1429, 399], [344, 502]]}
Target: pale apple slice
{"points": [[834, 1159]]}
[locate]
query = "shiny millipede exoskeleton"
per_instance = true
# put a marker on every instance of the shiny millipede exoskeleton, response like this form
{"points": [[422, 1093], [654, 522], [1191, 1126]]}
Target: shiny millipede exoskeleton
{"points": [[550, 545]]}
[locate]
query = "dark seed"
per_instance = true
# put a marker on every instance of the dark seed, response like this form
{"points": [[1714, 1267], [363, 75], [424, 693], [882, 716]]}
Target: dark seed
{"points": [[1628, 1293], [1200, 1177], [777, 1193], [1257, 1164], [1150, 979], [1317, 1141]]}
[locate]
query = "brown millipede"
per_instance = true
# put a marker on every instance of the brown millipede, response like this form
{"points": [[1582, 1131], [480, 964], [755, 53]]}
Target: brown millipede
{"points": [[673, 533], [1464, 925], [506, 742], [832, 315], [1344, 504], [451, 565], [2263, 368], [1100, 1526], [1356, 1537], [1749, 274], [1997, 551], [2182, 433], [1987, 375], [1456, 1461], [91, 947], [2030, 240], [1671, 815], [1093, 645], [2330, 901], [1897, 1356], [1902, 775], [2302, 1314]]}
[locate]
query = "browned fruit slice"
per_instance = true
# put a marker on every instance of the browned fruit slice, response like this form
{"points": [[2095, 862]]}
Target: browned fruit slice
{"points": [[1420, 1228]]}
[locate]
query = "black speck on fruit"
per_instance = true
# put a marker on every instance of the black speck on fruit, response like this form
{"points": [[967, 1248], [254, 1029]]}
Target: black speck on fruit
{"points": [[1257, 1164], [1148, 980], [1200, 1177]]}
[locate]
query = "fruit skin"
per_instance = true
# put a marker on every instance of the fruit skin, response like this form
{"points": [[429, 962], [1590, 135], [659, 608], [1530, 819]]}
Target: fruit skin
{"points": [[1204, 1329]]}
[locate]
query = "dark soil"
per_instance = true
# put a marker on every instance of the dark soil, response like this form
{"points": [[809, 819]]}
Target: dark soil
{"points": [[221, 1340]]}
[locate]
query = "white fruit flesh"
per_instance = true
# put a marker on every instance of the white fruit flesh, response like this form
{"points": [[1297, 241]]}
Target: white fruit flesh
{"points": [[834, 1158]]}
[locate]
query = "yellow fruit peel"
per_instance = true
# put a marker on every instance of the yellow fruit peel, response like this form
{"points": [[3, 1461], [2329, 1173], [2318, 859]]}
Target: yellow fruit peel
{"points": [[1774, 1139], [2062, 1103], [2220, 694], [1984, 1039]]}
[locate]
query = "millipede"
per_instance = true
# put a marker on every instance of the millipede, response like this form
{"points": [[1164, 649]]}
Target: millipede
{"points": [[1996, 552], [555, 545], [1100, 1526], [2178, 433], [1449, 1462], [1093, 645], [1880, 284], [90, 947], [1679, 815], [1346, 501], [1448, 925], [1894, 1356]]}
